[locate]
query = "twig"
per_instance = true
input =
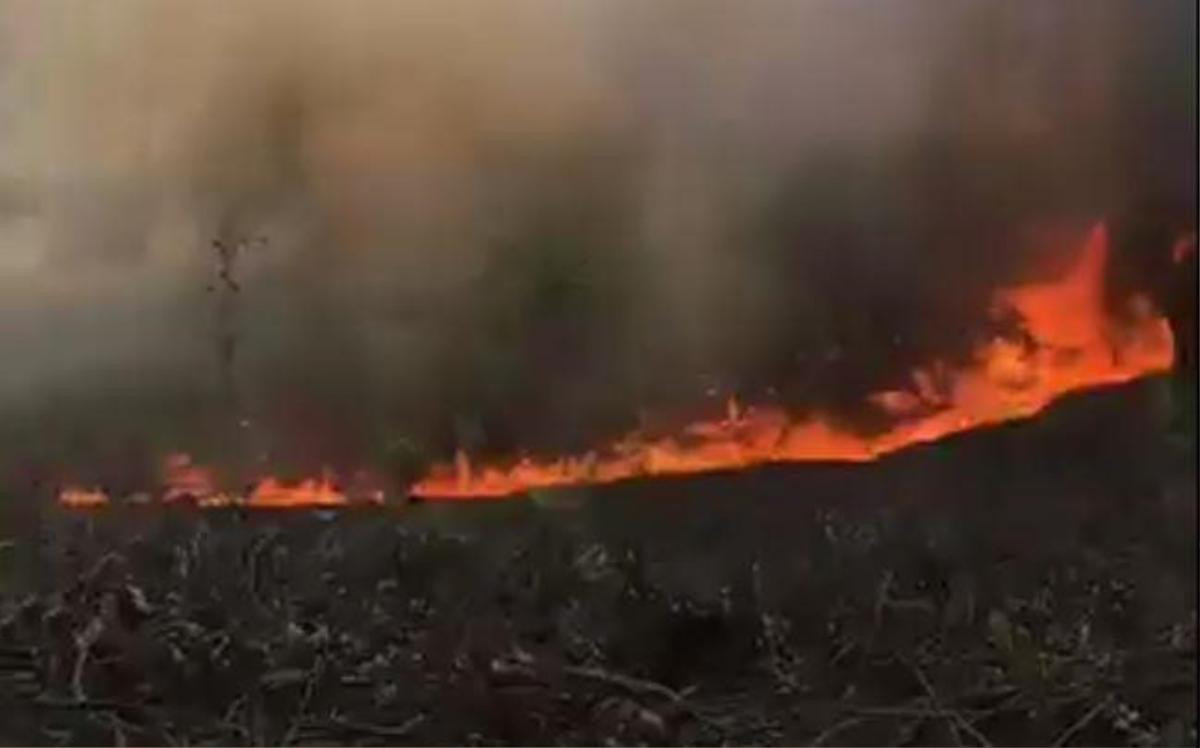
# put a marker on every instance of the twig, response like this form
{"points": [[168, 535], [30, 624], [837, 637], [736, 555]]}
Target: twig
{"points": [[641, 687], [842, 651], [233, 708], [935, 701], [83, 648], [1006, 704], [102, 565], [882, 593], [956, 719], [115, 724], [845, 724], [1083, 722], [626, 682], [310, 685], [970, 728], [380, 731]]}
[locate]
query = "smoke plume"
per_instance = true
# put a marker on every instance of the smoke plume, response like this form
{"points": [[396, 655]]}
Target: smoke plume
{"points": [[532, 224]]}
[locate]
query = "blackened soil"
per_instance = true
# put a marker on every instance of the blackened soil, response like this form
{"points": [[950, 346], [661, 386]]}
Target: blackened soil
{"points": [[1035, 584]]}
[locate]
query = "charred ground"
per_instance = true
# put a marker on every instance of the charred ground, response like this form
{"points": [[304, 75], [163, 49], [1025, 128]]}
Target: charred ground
{"points": [[1032, 584]]}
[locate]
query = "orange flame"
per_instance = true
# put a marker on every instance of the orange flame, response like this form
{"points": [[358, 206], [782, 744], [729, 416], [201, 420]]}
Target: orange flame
{"points": [[82, 498], [1070, 344], [270, 493], [184, 479]]}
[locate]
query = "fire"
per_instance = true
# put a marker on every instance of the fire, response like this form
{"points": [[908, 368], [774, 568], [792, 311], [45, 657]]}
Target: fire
{"points": [[81, 498], [271, 493], [184, 480], [1068, 344], [268, 493]]}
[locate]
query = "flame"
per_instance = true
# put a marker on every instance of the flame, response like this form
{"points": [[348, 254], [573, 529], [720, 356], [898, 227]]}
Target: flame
{"points": [[82, 498], [270, 493], [184, 480], [267, 493], [1069, 344]]}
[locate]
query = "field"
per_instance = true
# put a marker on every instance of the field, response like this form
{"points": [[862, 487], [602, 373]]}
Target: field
{"points": [[1032, 584]]}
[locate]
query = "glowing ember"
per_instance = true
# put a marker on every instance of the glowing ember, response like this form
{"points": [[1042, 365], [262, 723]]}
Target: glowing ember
{"points": [[1069, 344], [82, 497]]}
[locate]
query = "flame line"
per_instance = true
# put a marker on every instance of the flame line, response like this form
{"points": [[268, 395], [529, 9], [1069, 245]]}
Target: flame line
{"points": [[1068, 344]]}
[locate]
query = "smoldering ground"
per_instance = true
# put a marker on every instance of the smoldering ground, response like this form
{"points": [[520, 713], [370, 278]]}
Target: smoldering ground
{"points": [[535, 224]]}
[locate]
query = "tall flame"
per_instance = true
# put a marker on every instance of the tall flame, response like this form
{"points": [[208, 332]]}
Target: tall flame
{"points": [[1069, 344]]}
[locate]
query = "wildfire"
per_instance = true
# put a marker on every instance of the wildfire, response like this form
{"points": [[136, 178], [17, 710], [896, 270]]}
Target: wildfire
{"points": [[184, 480], [312, 492], [1068, 344]]}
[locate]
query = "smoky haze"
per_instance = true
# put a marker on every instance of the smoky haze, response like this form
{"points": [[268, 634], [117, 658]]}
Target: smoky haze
{"points": [[534, 224]]}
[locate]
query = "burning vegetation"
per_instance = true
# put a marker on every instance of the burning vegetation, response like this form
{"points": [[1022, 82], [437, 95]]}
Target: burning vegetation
{"points": [[1027, 585], [1065, 341], [842, 357]]}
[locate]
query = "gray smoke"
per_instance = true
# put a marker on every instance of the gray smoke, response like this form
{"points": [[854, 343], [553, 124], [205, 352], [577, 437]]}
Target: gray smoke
{"points": [[531, 224]]}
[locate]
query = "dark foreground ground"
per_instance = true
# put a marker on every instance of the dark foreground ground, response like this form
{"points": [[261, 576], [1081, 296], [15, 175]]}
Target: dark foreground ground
{"points": [[1031, 585]]}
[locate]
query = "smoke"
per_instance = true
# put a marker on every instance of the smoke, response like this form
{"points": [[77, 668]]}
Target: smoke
{"points": [[527, 224]]}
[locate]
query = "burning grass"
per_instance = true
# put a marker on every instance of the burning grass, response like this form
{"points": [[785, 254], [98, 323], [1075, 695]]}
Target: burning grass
{"points": [[928, 601], [1067, 342]]}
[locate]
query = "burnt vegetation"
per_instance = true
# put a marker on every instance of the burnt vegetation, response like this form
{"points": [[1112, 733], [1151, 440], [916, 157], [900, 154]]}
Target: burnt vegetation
{"points": [[467, 254], [1031, 585]]}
